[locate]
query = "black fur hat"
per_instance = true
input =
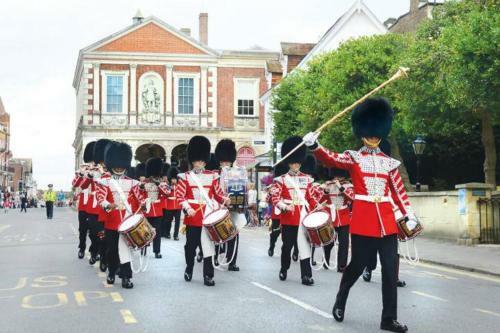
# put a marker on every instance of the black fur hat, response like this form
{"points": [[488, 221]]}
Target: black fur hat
{"points": [[280, 169], [140, 170], [213, 163], [225, 151], [131, 173], [299, 156], [385, 146], [172, 173], [117, 155], [198, 149], [309, 165], [154, 167], [372, 118], [99, 148], [88, 153], [164, 169]]}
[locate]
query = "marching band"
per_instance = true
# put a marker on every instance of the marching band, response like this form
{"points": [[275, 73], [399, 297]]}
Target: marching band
{"points": [[125, 209]]}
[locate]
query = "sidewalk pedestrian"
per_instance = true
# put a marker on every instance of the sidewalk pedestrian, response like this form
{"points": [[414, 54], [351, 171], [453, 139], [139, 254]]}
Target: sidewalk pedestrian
{"points": [[50, 197], [24, 202], [252, 205]]}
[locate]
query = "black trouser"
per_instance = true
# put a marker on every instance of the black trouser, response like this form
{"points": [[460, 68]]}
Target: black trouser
{"points": [[171, 215], [83, 229], [50, 209], [113, 258], [289, 239], [363, 248], [233, 247], [23, 207], [193, 240], [156, 223], [372, 263], [343, 250], [275, 232], [97, 245]]}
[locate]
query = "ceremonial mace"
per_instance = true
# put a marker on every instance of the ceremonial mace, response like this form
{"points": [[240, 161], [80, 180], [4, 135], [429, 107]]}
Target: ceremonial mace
{"points": [[402, 72]]}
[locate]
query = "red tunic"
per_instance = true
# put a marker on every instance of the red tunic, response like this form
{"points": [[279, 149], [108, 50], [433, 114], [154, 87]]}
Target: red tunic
{"points": [[172, 200], [151, 196], [189, 195], [107, 194], [339, 202], [283, 193], [377, 183]]}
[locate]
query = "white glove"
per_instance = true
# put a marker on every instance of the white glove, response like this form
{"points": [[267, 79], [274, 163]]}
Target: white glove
{"points": [[310, 139]]}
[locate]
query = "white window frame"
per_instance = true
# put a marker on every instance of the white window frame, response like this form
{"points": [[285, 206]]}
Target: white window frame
{"points": [[256, 106], [104, 90], [196, 92]]}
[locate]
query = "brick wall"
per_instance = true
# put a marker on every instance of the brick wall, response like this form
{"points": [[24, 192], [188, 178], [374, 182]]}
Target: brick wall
{"points": [[293, 61]]}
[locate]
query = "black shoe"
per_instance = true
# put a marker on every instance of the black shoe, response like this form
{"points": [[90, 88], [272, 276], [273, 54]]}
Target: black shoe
{"points": [[168, 236], [81, 254], [401, 283], [158, 255], [314, 263], [102, 266], [110, 279], [188, 276], [282, 275], [233, 268], [199, 257], [393, 326], [93, 260], [340, 269], [307, 281], [337, 312], [176, 238], [367, 275], [127, 284], [295, 257], [325, 266], [208, 281], [270, 252], [216, 261]]}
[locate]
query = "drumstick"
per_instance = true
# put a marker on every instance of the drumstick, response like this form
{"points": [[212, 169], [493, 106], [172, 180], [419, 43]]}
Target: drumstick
{"points": [[402, 72]]}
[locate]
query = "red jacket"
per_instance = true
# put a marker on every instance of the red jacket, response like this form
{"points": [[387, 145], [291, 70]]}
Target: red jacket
{"points": [[151, 196], [339, 202], [107, 194], [283, 193], [189, 195], [377, 183], [275, 212], [172, 202]]}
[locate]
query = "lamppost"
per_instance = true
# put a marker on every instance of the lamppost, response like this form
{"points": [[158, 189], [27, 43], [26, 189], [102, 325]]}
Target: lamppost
{"points": [[418, 148]]}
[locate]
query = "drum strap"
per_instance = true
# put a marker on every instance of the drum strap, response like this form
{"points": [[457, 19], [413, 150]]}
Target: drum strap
{"points": [[298, 191], [202, 190], [114, 184]]}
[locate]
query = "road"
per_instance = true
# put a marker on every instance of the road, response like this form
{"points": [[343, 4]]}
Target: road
{"points": [[45, 288]]}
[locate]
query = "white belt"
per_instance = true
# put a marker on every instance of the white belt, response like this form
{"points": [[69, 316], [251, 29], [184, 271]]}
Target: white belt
{"points": [[372, 198]]}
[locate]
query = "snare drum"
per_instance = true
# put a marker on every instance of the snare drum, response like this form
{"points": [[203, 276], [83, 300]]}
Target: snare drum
{"points": [[137, 231], [406, 233], [319, 228], [219, 226]]}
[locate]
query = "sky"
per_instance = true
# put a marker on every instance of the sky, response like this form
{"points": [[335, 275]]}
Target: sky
{"points": [[40, 40]]}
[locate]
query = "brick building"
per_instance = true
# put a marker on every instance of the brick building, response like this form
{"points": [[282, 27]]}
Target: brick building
{"points": [[408, 22], [22, 179], [154, 87], [6, 172]]}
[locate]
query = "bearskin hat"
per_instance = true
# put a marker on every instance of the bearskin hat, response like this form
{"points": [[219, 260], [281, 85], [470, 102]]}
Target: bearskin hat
{"points": [[140, 170], [153, 167], [309, 165], [213, 163], [198, 149], [299, 155], [131, 173], [225, 151], [88, 153], [117, 155], [280, 169], [164, 169], [172, 173], [99, 148], [372, 118], [339, 173], [385, 147]]}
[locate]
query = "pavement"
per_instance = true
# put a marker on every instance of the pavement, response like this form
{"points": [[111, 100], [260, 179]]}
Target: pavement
{"points": [[44, 287]]}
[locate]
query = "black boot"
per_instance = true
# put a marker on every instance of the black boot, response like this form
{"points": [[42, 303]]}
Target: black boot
{"points": [[127, 284], [282, 274], [233, 268], [158, 255], [338, 313], [93, 259], [393, 326], [188, 274], [199, 257], [367, 275], [102, 266], [401, 283], [81, 254], [307, 281], [295, 256], [270, 252], [168, 236], [208, 281], [110, 279]]}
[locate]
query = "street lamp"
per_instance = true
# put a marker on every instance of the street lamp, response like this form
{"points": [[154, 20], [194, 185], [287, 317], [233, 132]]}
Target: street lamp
{"points": [[418, 148]]}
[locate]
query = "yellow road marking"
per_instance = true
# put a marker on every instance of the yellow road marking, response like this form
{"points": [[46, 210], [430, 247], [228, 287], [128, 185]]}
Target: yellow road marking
{"points": [[80, 298], [4, 227], [21, 283], [488, 312], [441, 275], [460, 272], [128, 317], [62, 299], [429, 296], [116, 297]]}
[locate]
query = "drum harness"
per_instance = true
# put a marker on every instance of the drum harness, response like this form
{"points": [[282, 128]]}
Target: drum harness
{"points": [[204, 194], [143, 258]]}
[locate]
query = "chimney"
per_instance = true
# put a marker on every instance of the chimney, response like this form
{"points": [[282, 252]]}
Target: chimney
{"points": [[138, 18], [186, 31], [204, 28], [414, 5]]}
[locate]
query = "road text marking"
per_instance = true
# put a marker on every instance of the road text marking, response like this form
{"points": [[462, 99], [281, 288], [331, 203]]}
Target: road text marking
{"points": [[116, 297]]}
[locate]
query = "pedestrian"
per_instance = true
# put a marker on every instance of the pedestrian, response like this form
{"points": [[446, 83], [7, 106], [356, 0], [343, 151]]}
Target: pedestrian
{"points": [[252, 205], [50, 197], [373, 227], [24, 202]]}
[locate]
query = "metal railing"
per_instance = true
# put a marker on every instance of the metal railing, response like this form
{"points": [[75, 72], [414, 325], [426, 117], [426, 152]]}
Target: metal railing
{"points": [[489, 220]]}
